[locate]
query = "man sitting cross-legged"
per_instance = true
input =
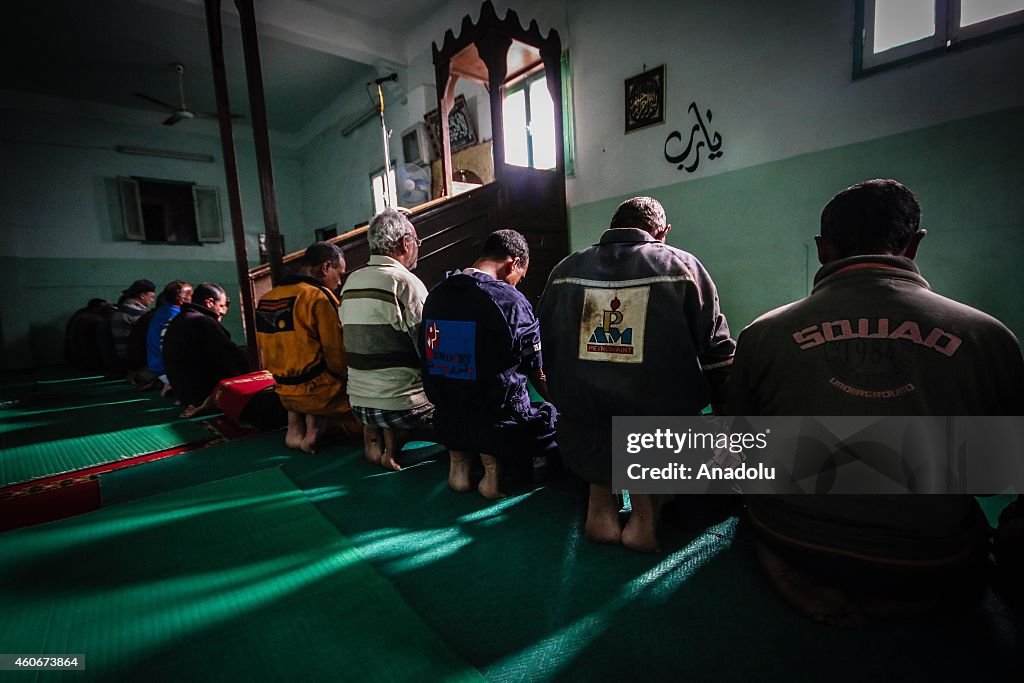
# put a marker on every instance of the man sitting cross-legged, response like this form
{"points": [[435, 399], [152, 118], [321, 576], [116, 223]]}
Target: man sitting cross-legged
{"points": [[381, 307], [175, 294], [480, 343], [301, 343], [198, 351]]}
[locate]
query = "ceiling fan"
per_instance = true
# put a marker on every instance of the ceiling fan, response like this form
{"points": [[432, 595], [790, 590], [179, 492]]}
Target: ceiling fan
{"points": [[181, 112]]}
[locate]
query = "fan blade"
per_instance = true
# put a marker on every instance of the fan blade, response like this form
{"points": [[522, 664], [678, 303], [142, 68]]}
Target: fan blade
{"points": [[172, 119], [154, 100], [213, 115]]}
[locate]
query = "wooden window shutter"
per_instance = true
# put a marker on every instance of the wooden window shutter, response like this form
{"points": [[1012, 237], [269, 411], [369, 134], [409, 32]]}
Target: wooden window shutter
{"points": [[131, 209], [209, 226]]}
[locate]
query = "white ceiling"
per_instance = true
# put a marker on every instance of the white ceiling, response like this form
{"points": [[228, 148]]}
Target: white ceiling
{"points": [[103, 50], [401, 16]]}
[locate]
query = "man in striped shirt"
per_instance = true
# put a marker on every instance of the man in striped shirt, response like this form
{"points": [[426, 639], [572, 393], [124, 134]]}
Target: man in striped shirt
{"points": [[381, 310]]}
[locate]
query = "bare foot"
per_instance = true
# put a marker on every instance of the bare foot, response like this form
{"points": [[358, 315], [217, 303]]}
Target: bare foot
{"points": [[603, 516], [314, 428], [207, 406], [373, 443], [488, 486], [166, 390], [296, 430], [824, 604], [640, 533], [392, 446], [459, 471]]}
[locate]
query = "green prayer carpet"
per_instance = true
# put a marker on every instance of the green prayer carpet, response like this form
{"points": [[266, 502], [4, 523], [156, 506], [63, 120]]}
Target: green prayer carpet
{"points": [[515, 588], [239, 579], [64, 425]]}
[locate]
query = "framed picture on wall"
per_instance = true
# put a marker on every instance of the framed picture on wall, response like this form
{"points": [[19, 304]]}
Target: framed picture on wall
{"points": [[645, 99], [460, 127]]}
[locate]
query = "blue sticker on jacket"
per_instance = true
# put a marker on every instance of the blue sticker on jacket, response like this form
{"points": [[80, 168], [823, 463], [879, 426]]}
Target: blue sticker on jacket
{"points": [[451, 348]]}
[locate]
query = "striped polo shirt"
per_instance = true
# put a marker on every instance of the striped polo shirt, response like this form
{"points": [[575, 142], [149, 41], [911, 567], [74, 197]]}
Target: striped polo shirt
{"points": [[381, 310]]}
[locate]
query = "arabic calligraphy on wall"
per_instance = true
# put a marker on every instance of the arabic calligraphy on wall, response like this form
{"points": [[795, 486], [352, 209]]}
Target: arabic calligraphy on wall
{"points": [[460, 127], [645, 99], [689, 158]]}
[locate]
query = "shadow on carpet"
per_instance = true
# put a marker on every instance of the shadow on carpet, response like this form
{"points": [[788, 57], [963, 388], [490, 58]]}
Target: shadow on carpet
{"points": [[240, 579]]}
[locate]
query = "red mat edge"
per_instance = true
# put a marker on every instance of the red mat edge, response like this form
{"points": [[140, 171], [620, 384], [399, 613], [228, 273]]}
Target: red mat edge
{"points": [[65, 495]]}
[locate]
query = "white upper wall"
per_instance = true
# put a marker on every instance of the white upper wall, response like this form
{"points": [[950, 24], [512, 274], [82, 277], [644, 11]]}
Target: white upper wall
{"points": [[337, 168], [777, 77]]}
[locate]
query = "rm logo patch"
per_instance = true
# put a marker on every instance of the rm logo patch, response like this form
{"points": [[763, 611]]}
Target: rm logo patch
{"points": [[613, 323]]}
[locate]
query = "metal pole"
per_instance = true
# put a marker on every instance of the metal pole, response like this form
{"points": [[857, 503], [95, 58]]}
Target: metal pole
{"points": [[258, 109], [215, 33], [387, 150]]}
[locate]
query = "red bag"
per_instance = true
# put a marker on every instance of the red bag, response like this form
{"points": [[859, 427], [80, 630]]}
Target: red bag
{"points": [[232, 395]]}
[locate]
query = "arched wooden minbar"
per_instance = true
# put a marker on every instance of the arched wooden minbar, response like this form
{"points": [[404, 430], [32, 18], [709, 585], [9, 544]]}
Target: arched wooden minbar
{"points": [[494, 52]]}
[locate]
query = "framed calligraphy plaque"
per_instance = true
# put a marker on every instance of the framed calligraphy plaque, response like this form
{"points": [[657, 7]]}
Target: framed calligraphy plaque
{"points": [[645, 99], [461, 132]]}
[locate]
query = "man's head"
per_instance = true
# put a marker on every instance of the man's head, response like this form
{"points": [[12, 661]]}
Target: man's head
{"points": [[97, 305], [176, 293], [872, 217], [506, 256], [645, 213], [391, 234], [325, 263], [142, 291], [212, 296]]}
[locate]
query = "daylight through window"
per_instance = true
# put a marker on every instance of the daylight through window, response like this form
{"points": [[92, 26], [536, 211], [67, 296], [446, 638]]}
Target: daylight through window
{"points": [[897, 31], [529, 123]]}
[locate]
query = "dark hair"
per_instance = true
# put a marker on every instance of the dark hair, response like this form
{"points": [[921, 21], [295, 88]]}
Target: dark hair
{"points": [[207, 290], [96, 305], [501, 244], [321, 252], [872, 217], [645, 213], [172, 291], [139, 287]]}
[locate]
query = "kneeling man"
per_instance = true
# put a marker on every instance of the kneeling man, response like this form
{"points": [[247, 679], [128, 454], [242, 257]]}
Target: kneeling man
{"points": [[480, 342], [301, 343], [381, 309]]}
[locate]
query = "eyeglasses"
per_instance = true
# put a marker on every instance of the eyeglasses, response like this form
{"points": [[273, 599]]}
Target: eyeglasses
{"points": [[415, 239]]}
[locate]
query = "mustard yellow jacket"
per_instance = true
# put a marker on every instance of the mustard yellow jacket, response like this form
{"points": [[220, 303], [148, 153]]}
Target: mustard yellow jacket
{"points": [[301, 344]]}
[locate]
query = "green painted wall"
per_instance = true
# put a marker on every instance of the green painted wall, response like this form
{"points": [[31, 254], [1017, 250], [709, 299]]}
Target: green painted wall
{"points": [[61, 220], [53, 288], [753, 228]]}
